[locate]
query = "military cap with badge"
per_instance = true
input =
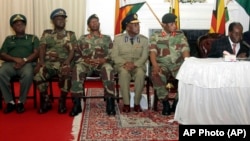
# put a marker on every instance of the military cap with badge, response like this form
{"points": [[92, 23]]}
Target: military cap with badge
{"points": [[169, 18], [94, 16], [17, 17], [131, 18], [58, 12]]}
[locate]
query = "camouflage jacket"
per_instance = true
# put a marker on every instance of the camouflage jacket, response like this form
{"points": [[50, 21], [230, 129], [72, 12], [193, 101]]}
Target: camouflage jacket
{"points": [[169, 48], [93, 47], [58, 45]]}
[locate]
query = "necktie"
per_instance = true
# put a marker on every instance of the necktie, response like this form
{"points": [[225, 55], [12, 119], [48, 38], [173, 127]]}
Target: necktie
{"points": [[132, 41], [234, 48]]}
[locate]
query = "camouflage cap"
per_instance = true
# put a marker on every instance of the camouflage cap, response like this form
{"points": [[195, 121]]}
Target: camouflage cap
{"points": [[58, 12], [169, 18], [132, 18], [94, 16], [17, 17]]}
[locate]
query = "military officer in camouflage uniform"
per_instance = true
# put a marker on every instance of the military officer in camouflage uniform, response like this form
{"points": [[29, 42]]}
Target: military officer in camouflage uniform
{"points": [[55, 56], [130, 53], [19, 53], [93, 56], [167, 52]]}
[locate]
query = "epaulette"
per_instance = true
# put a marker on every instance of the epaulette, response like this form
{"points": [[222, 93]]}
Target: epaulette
{"points": [[70, 32], [179, 32], [143, 36], [10, 36], [48, 31]]}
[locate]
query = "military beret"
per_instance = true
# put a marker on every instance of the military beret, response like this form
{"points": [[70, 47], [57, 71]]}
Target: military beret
{"points": [[94, 16], [17, 17], [131, 18], [58, 12], [168, 18]]}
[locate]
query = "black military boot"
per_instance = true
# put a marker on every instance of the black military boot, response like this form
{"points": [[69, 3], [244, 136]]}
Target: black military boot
{"points": [[62, 103], [76, 107], [45, 103], [166, 107], [110, 105]]}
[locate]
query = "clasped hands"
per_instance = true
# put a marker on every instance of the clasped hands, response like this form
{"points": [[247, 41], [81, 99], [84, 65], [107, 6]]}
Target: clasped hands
{"points": [[129, 66], [95, 62], [19, 62]]}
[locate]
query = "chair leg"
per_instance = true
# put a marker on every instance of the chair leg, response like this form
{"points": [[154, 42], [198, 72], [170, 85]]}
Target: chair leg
{"points": [[12, 86], [117, 90], [35, 94], [147, 91], [1, 100], [84, 94], [51, 91], [155, 101]]}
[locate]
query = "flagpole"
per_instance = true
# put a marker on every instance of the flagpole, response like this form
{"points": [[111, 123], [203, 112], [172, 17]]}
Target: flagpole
{"points": [[153, 13]]}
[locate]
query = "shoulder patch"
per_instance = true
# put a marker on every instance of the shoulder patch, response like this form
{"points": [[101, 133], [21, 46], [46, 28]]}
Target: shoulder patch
{"points": [[143, 36], [179, 31], [48, 31]]}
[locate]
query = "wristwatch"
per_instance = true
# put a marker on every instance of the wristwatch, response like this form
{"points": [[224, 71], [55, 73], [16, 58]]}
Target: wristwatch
{"points": [[25, 59]]}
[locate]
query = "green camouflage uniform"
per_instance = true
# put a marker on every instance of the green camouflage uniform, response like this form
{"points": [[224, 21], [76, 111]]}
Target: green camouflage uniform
{"points": [[169, 49], [57, 51], [93, 47], [137, 52]]}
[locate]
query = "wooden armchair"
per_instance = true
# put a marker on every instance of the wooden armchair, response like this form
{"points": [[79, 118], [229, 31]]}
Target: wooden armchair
{"points": [[205, 42]]}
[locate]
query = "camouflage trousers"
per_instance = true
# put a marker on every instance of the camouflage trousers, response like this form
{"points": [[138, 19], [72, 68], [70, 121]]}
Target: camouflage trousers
{"points": [[50, 70], [81, 71], [159, 81]]}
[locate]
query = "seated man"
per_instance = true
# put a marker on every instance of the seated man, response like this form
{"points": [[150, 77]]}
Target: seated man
{"points": [[93, 56], [55, 56], [130, 54], [19, 52], [167, 52], [231, 43]]}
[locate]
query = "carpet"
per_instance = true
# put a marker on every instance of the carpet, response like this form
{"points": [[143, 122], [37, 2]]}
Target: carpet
{"points": [[146, 125]]}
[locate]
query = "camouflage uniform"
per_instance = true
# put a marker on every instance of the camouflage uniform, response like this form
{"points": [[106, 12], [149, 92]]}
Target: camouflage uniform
{"points": [[169, 49], [57, 50], [93, 47]]}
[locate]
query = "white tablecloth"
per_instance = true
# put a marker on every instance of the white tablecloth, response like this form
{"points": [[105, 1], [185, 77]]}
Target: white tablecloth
{"points": [[212, 91]]}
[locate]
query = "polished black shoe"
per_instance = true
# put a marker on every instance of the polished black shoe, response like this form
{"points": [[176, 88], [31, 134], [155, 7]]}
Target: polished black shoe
{"points": [[62, 109], [9, 108], [20, 108], [166, 108], [137, 108], [77, 108], [45, 106], [126, 108], [110, 107]]}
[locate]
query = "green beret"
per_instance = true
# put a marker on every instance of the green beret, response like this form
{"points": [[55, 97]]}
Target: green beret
{"points": [[17, 17], [58, 12], [168, 18], [131, 18], [94, 16]]}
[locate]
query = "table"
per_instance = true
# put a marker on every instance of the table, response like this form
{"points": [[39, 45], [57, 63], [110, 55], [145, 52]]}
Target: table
{"points": [[212, 91]]}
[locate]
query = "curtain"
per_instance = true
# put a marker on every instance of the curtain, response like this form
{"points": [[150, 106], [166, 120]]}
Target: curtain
{"points": [[38, 12]]}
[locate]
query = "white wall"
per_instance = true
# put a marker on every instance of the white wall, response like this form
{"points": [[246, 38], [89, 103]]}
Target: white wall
{"points": [[192, 16]]}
